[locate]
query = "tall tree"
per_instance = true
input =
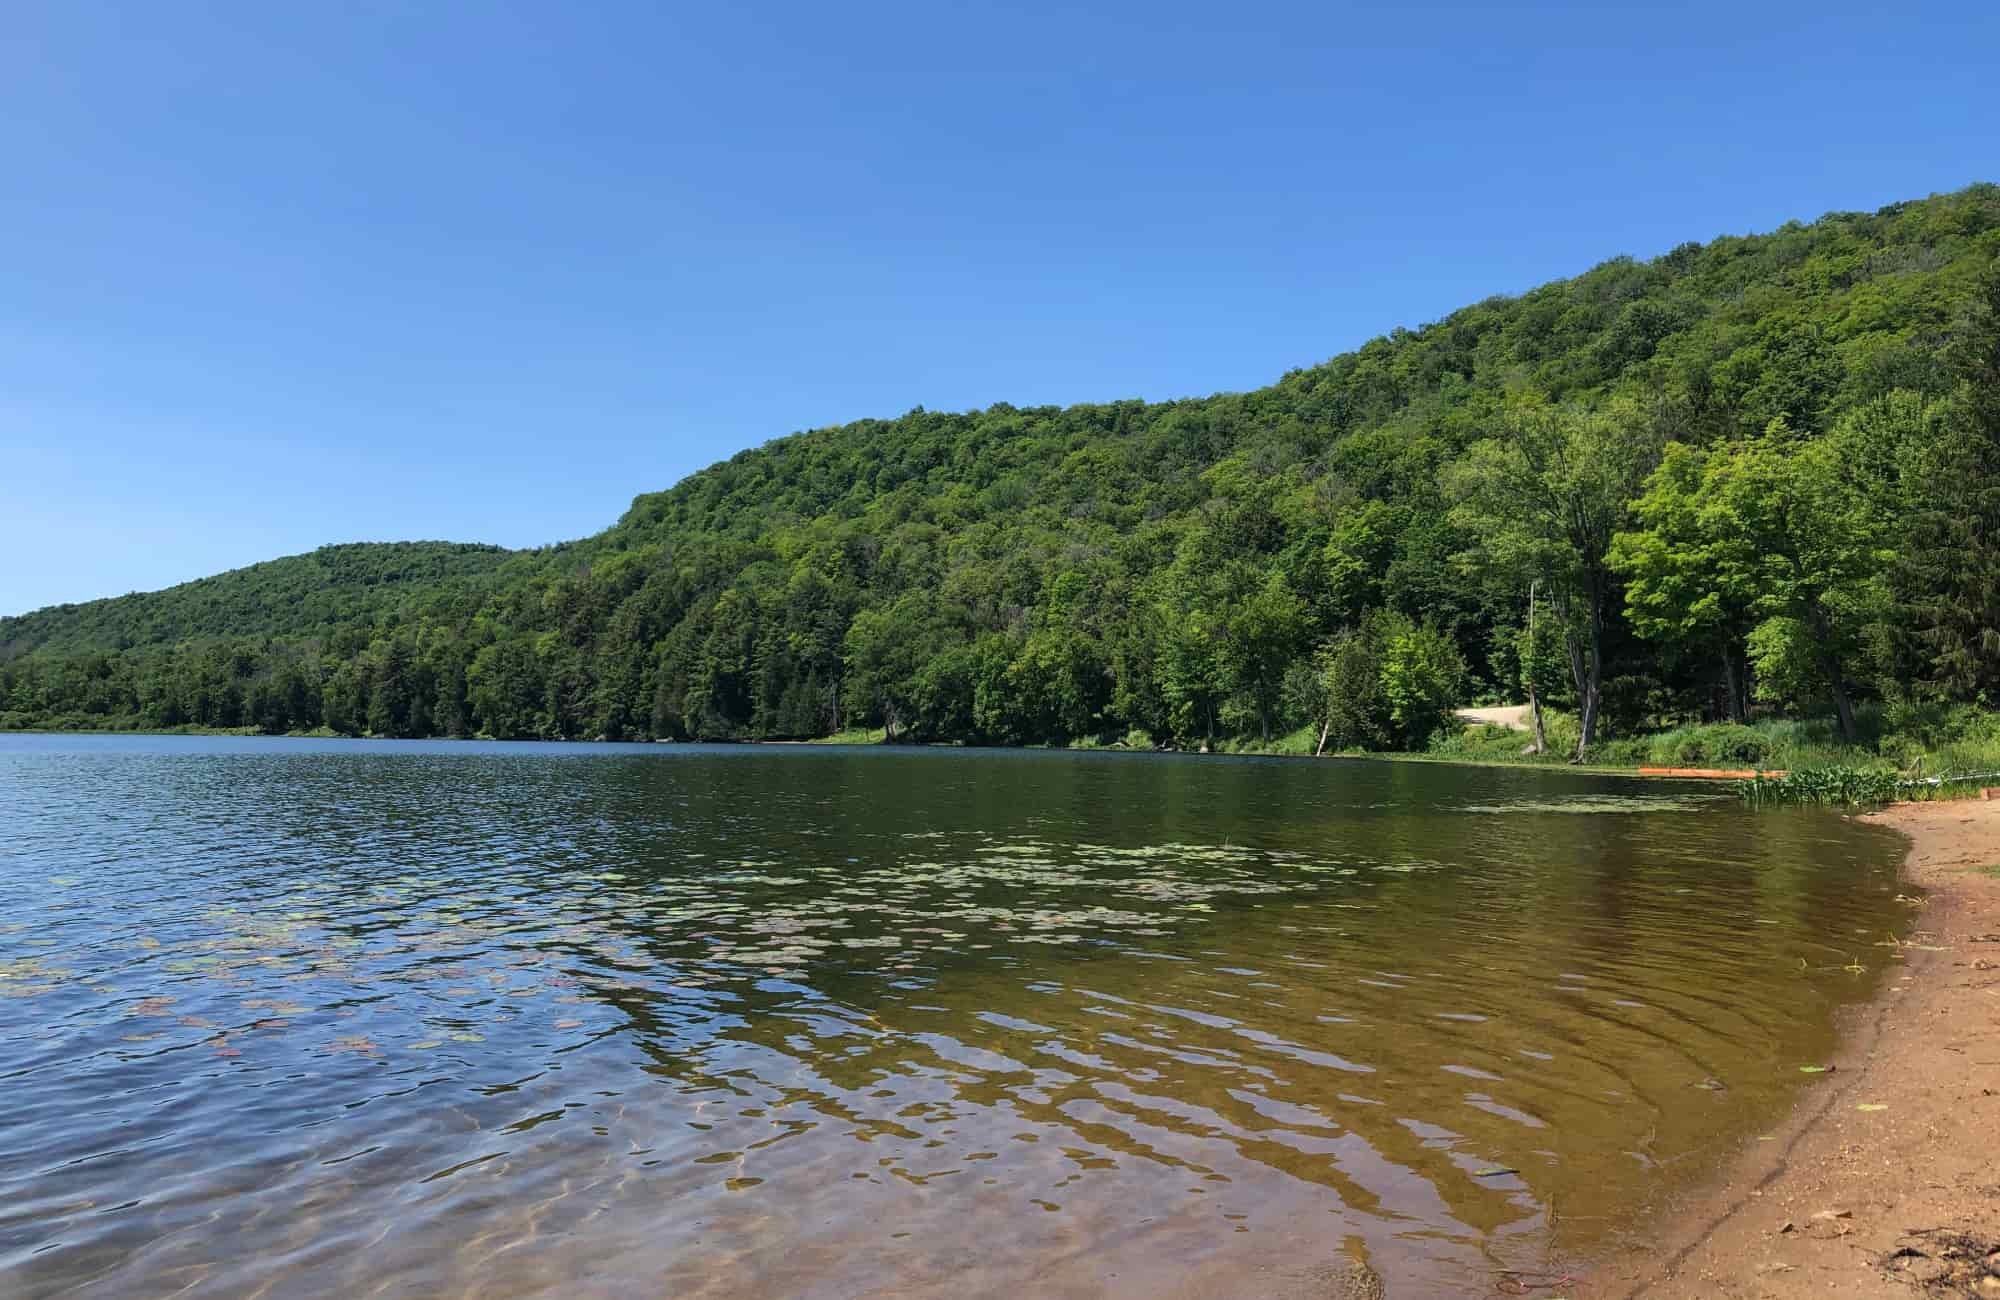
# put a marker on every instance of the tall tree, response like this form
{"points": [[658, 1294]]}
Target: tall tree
{"points": [[1423, 680], [1687, 583], [1946, 574], [1354, 713], [1788, 516], [1264, 630], [1537, 654], [1542, 498]]}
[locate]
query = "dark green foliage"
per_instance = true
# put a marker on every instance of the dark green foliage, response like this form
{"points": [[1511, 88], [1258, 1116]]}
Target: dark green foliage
{"points": [[1389, 681], [1025, 576], [333, 587], [1947, 573], [1355, 712], [1723, 744]]}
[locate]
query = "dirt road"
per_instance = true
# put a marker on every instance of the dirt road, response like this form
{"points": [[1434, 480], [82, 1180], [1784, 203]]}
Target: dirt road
{"points": [[1514, 717]]}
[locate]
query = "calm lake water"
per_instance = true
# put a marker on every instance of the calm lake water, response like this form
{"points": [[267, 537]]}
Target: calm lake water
{"points": [[344, 1018]]}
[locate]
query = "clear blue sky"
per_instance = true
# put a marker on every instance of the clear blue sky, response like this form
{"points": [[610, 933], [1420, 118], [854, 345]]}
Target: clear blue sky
{"points": [[275, 275]]}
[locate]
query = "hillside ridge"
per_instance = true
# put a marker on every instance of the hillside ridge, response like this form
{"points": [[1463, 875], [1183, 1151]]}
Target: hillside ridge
{"points": [[257, 587], [1195, 568]]}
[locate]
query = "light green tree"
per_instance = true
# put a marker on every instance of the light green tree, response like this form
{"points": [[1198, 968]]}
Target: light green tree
{"points": [[1423, 680], [1786, 514], [1688, 584], [1542, 498]]}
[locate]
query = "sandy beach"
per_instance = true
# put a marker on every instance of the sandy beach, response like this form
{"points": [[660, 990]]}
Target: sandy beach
{"points": [[1886, 1181]]}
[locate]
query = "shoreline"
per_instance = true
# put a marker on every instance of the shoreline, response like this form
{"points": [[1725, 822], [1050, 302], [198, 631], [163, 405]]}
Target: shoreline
{"points": [[1885, 1180], [874, 740], [1382, 756]]}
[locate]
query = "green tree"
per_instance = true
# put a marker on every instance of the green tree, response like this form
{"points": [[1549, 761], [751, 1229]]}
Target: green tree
{"points": [[344, 700], [1946, 571], [1192, 667], [885, 648], [391, 689], [1355, 709], [1423, 680], [1358, 555], [1264, 631], [505, 690], [1543, 499], [1812, 547], [941, 697], [1688, 583], [718, 699]]}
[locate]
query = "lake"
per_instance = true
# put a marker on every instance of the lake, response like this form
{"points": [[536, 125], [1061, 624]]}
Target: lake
{"points": [[296, 1017]]}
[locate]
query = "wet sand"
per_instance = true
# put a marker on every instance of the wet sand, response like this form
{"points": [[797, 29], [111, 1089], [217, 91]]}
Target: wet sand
{"points": [[1886, 1181]]}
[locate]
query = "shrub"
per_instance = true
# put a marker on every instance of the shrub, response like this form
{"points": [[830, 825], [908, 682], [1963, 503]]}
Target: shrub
{"points": [[1846, 786], [1719, 744], [1423, 679]]}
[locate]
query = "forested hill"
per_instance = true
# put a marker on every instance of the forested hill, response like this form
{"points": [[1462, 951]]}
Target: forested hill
{"points": [[297, 595], [1764, 468]]}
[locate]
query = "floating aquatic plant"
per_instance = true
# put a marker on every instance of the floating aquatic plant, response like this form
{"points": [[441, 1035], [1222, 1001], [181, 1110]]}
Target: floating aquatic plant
{"points": [[1595, 803]]}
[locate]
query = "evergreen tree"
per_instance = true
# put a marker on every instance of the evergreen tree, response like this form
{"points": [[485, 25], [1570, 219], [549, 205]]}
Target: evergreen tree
{"points": [[1946, 573]]}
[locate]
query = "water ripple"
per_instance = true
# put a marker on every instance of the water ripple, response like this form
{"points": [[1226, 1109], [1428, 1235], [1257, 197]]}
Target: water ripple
{"points": [[504, 1020]]}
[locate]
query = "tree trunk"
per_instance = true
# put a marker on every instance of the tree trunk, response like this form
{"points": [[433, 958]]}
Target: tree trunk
{"points": [[1836, 676], [1588, 718], [1528, 677], [1587, 666], [1325, 726], [1731, 683], [1574, 652], [1535, 707], [1843, 707]]}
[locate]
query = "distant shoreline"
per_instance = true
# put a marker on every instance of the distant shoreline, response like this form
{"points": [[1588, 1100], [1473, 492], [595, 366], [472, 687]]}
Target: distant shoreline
{"points": [[1384, 756]]}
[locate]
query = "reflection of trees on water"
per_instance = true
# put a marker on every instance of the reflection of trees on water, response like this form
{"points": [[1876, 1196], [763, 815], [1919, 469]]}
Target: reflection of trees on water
{"points": [[1116, 983]]}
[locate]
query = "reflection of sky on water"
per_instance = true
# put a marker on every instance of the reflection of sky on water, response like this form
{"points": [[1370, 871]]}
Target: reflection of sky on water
{"points": [[521, 1017]]}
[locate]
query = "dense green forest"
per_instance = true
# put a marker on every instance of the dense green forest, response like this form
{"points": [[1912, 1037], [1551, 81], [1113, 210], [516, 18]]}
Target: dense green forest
{"points": [[300, 595], [1759, 473]]}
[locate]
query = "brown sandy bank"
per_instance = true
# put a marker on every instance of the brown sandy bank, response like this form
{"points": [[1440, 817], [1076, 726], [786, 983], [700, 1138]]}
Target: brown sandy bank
{"points": [[1886, 1182]]}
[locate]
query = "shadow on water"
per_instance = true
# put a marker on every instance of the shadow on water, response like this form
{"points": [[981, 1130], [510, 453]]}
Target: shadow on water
{"points": [[494, 1019]]}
